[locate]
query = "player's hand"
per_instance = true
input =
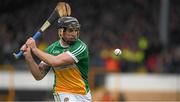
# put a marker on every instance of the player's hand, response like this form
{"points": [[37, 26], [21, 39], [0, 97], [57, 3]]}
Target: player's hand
{"points": [[24, 48], [31, 43], [27, 51]]}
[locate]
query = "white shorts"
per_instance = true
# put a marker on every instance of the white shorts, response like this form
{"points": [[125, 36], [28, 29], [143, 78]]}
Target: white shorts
{"points": [[68, 97]]}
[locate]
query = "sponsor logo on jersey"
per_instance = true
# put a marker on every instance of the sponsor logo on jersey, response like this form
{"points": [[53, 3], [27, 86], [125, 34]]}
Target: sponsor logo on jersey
{"points": [[56, 52]]}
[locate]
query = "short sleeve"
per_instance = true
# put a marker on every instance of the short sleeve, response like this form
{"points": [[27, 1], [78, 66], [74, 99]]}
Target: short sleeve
{"points": [[78, 52]]}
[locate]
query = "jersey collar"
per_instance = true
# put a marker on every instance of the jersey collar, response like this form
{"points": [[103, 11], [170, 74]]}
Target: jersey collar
{"points": [[61, 43]]}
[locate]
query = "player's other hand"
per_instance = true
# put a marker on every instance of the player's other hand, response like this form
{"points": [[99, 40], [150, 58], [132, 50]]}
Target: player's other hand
{"points": [[31, 43], [24, 48], [27, 51]]}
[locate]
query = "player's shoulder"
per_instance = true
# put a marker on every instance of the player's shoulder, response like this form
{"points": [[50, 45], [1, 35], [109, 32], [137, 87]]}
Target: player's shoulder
{"points": [[79, 45], [78, 48], [79, 42]]}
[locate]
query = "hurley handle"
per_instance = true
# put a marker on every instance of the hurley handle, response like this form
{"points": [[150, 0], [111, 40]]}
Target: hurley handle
{"points": [[36, 36]]}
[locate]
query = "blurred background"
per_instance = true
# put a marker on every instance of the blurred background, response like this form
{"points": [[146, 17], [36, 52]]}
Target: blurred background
{"points": [[145, 30]]}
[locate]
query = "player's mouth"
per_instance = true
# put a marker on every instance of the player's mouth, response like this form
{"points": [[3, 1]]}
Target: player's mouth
{"points": [[72, 39]]}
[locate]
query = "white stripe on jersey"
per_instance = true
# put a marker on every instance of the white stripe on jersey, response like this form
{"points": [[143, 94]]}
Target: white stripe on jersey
{"points": [[74, 57], [76, 52], [79, 51]]}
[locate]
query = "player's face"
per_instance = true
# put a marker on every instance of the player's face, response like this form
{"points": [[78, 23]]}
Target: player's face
{"points": [[70, 35]]}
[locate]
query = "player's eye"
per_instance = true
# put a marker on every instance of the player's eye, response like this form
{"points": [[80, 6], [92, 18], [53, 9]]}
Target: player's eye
{"points": [[72, 30]]}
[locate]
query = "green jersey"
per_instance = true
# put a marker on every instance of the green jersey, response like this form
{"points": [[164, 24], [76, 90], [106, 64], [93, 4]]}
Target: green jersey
{"points": [[71, 78]]}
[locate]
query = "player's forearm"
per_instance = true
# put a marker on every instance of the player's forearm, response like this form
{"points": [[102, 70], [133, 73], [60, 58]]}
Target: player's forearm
{"points": [[47, 58], [34, 68]]}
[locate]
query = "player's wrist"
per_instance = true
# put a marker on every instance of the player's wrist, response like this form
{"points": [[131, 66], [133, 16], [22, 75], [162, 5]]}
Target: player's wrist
{"points": [[34, 50], [29, 58]]}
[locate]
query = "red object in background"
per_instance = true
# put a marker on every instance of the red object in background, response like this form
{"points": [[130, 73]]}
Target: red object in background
{"points": [[152, 62], [112, 65], [106, 97]]}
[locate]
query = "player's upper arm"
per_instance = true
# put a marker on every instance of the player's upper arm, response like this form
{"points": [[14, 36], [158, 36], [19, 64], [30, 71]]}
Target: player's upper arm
{"points": [[73, 55], [63, 59]]}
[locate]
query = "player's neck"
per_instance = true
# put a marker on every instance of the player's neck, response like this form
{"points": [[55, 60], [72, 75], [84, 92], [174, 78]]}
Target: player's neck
{"points": [[63, 44]]}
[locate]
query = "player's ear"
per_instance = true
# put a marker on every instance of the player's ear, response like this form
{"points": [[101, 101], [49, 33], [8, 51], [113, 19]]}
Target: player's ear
{"points": [[60, 31]]}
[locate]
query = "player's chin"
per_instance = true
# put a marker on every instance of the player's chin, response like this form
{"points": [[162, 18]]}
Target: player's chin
{"points": [[71, 42]]}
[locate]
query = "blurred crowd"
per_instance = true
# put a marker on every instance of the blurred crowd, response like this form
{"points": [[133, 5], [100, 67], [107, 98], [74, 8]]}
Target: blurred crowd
{"points": [[131, 25]]}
